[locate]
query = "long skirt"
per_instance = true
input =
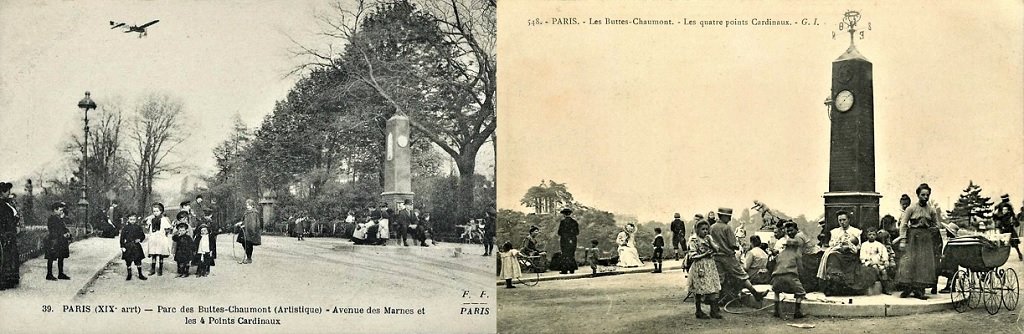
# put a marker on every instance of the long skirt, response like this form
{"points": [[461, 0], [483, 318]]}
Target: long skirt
{"points": [[704, 277], [629, 257], [568, 260], [9, 276], [917, 263]]}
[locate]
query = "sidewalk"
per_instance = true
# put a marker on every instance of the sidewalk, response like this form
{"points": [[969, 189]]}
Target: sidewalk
{"points": [[88, 258], [668, 266]]}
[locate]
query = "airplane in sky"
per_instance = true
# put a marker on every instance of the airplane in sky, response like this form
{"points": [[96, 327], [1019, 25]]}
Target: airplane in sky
{"points": [[132, 28]]}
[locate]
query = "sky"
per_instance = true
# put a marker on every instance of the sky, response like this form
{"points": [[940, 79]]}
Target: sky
{"points": [[221, 58], [653, 120]]}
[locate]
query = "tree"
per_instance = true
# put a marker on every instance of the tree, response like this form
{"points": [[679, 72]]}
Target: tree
{"points": [[156, 130], [436, 65], [107, 165], [971, 204]]}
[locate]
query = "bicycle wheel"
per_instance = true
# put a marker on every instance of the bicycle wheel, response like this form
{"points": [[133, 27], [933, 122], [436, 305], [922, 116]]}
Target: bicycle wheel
{"points": [[960, 291], [992, 300], [1011, 289]]}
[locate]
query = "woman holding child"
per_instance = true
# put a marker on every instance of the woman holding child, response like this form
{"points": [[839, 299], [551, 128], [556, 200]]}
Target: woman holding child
{"points": [[628, 255]]}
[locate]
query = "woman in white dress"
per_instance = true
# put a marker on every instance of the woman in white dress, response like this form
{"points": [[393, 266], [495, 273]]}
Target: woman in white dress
{"points": [[158, 242], [628, 256]]}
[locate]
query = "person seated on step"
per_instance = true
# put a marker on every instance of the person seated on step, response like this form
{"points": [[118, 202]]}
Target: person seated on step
{"points": [[874, 254], [755, 262], [840, 271]]}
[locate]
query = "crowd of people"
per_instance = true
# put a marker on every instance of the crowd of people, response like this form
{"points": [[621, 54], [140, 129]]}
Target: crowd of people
{"points": [[902, 254]]}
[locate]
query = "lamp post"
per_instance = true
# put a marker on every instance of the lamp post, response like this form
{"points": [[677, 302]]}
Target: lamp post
{"points": [[85, 104]]}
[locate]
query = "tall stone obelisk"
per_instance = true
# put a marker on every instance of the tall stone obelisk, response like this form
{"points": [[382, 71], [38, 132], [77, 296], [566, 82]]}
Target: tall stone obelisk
{"points": [[397, 162], [851, 177]]}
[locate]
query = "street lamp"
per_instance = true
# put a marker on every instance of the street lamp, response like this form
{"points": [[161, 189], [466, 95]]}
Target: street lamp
{"points": [[85, 104]]}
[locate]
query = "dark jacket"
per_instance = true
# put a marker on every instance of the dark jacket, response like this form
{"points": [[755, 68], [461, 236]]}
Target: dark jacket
{"points": [[568, 228], [184, 249], [196, 242], [678, 227], [57, 238], [8, 221], [253, 226], [132, 249]]}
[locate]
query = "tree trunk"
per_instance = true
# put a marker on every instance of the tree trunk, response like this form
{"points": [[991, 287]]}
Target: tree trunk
{"points": [[464, 196]]}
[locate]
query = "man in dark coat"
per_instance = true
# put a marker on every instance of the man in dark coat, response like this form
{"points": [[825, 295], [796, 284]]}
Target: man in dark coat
{"points": [[678, 235], [490, 229], [405, 218], [9, 221], [131, 246], [568, 230]]}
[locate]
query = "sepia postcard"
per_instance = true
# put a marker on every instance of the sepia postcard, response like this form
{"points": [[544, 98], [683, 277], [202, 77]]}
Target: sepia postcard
{"points": [[765, 148], [264, 166]]}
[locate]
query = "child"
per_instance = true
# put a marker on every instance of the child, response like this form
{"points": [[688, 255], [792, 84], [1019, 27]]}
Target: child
{"points": [[182, 246], [57, 241], [203, 244], [131, 246], [885, 238], [591, 255], [659, 245], [786, 277], [704, 281], [158, 244], [510, 264], [874, 254]]}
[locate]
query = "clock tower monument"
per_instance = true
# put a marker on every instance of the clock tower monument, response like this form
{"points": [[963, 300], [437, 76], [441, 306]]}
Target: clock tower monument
{"points": [[397, 162], [851, 177]]}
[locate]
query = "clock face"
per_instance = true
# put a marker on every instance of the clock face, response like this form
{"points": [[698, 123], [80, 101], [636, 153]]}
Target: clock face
{"points": [[403, 141], [844, 100]]}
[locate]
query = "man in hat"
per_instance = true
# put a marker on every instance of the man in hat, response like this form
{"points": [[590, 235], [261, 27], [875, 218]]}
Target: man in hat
{"points": [[405, 219], [568, 230], [725, 256], [678, 234]]}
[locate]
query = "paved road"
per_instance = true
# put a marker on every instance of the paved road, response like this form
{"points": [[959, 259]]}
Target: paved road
{"points": [[317, 273], [652, 303]]}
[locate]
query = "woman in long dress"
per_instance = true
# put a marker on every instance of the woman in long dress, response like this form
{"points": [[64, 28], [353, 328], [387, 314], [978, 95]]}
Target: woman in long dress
{"points": [[158, 243], [9, 220], [703, 274], [916, 270], [628, 256]]}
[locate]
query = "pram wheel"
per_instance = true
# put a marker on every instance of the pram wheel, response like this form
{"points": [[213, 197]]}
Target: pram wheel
{"points": [[1011, 292], [960, 291]]}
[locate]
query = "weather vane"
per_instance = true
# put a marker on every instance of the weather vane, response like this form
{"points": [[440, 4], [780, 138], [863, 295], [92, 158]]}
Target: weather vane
{"points": [[849, 24]]}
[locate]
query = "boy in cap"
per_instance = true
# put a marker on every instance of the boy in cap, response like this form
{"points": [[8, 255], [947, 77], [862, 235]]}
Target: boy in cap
{"points": [[131, 245], [182, 245]]}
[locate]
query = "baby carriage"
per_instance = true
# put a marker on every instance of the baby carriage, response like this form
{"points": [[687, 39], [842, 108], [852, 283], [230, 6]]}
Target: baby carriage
{"points": [[981, 281]]}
